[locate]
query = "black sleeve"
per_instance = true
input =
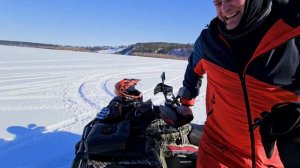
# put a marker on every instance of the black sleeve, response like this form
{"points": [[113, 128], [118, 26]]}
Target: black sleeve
{"points": [[192, 81]]}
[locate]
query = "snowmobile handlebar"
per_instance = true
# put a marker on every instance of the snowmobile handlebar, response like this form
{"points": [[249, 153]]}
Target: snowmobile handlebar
{"points": [[167, 91]]}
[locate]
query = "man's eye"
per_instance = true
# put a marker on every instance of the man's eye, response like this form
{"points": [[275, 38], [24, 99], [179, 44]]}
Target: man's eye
{"points": [[217, 3]]}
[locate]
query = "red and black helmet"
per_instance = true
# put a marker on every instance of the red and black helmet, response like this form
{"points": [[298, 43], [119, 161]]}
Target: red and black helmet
{"points": [[126, 88]]}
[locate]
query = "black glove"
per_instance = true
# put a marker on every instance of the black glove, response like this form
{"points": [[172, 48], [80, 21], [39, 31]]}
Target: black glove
{"points": [[176, 116], [282, 122]]}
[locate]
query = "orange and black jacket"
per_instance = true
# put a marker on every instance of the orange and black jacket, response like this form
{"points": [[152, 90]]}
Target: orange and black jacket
{"points": [[238, 89]]}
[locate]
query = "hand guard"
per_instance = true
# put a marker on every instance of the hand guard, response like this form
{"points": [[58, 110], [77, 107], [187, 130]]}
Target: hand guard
{"points": [[176, 116], [282, 122]]}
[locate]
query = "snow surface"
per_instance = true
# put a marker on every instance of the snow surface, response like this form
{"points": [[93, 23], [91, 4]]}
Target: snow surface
{"points": [[48, 96], [111, 51]]}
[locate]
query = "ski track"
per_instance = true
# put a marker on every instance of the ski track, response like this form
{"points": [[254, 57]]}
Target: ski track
{"points": [[105, 88], [97, 100], [82, 89], [36, 84], [27, 97], [41, 61], [33, 78], [27, 90]]}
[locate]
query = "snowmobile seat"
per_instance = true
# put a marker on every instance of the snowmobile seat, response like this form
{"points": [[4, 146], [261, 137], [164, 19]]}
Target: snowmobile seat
{"points": [[107, 137], [195, 135]]}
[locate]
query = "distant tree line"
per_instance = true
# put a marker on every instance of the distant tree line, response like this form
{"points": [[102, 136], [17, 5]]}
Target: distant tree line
{"points": [[159, 49], [151, 49], [54, 46], [19, 43]]}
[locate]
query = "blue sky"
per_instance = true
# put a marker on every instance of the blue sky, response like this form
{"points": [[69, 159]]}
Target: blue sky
{"points": [[104, 22]]}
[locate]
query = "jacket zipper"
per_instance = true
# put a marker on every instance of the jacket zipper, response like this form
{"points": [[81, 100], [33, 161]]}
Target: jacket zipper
{"points": [[247, 104], [251, 126], [249, 117]]}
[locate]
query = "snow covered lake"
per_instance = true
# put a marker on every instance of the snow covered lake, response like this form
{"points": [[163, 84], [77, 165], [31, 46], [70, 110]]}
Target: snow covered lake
{"points": [[48, 96]]}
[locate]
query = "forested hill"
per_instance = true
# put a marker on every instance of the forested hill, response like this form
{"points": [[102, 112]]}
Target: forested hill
{"points": [[159, 49]]}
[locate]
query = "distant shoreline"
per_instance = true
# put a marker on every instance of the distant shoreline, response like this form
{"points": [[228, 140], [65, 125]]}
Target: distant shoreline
{"points": [[153, 49]]}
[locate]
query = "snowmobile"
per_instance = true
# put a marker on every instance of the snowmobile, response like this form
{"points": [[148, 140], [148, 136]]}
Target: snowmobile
{"points": [[131, 133]]}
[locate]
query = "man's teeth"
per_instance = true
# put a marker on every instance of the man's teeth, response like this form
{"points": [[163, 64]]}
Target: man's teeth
{"points": [[230, 15]]}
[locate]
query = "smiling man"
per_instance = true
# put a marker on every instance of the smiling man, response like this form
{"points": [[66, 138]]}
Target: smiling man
{"points": [[230, 13], [250, 53]]}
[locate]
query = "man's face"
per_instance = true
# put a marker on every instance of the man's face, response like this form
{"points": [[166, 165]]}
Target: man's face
{"points": [[230, 12]]}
